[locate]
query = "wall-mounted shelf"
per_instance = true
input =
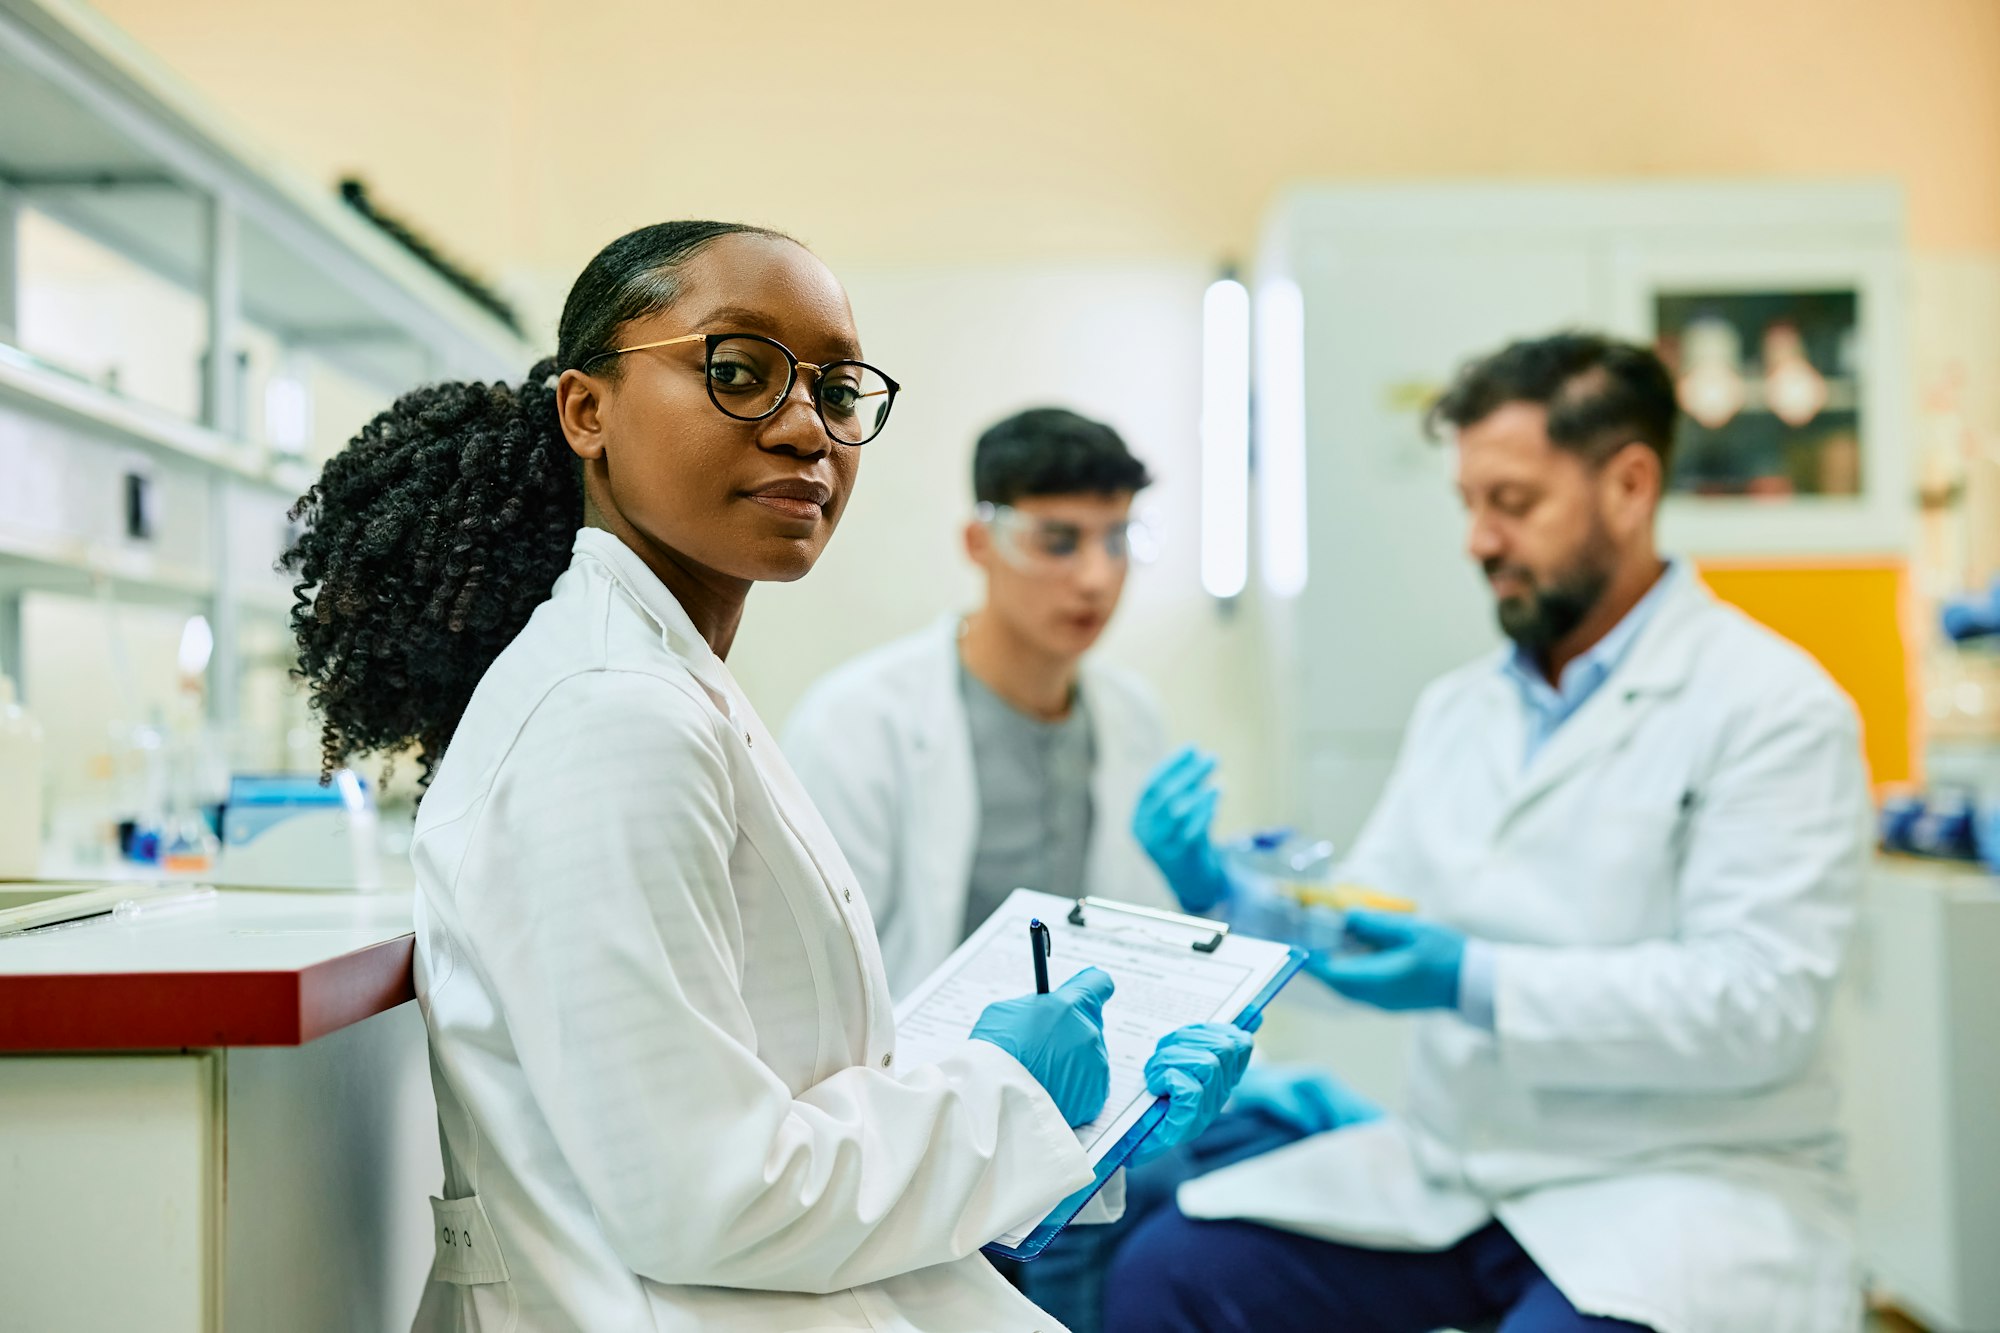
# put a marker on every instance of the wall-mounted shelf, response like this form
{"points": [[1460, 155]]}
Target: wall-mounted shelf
{"points": [[79, 569], [98, 135], [100, 493], [29, 386]]}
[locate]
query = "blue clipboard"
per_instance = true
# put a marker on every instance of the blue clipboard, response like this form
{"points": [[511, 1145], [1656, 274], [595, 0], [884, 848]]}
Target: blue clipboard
{"points": [[1065, 1212]]}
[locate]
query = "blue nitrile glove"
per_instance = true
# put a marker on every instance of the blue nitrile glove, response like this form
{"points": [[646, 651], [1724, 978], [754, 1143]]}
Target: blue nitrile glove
{"points": [[1059, 1037], [1972, 615], [1195, 1068], [1413, 964], [1303, 1098], [1171, 823]]}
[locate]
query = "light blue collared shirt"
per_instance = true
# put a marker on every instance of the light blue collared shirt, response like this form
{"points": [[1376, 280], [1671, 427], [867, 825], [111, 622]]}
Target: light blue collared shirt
{"points": [[1547, 707]]}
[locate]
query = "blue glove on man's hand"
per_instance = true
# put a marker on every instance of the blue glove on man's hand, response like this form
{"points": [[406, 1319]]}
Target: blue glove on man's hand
{"points": [[1172, 822], [1059, 1038], [1303, 1098], [1413, 964], [1195, 1068]]}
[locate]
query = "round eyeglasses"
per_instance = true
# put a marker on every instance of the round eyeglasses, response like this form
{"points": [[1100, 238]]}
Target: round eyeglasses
{"points": [[750, 376]]}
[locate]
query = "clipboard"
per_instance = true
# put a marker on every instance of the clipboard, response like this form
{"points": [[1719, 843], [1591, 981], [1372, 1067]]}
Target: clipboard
{"points": [[1114, 1161], [1216, 979]]}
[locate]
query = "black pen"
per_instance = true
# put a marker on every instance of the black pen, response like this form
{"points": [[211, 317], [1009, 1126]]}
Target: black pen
{"points": [[1038, 944]]}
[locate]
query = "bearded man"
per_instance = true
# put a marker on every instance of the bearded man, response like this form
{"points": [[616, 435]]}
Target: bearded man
{"points": [[1635, 839]]}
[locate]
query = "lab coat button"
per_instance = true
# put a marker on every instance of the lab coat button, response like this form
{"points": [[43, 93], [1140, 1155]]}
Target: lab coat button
{"points": [[888, 1059], [747, 741], [847, 895]]}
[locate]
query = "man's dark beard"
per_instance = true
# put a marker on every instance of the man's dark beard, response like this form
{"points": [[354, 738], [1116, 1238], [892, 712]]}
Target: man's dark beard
{"points": [[1542, 618]]}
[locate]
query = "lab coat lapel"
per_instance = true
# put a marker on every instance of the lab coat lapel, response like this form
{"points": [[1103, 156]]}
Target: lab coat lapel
{"points": [[1128, 746], [944, 839], [1657, 666], [794, 806], [677, 631], [1505, 736], [788, 798]]}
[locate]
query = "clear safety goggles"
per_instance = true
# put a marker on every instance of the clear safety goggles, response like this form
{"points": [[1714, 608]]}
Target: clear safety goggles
{"points": [[1037, 544]]}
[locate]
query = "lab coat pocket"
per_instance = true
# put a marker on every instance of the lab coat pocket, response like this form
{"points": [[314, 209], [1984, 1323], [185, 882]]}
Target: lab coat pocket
{"points": [[468, 1253], [1636, 851]]}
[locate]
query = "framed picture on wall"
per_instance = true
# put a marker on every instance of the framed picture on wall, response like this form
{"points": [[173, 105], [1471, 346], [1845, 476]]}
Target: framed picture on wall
{"points": [[1770, 385], [1791, 372]]}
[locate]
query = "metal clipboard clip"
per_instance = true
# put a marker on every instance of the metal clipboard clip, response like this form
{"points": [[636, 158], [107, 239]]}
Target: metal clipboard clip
{"points": [[1209, 945]]}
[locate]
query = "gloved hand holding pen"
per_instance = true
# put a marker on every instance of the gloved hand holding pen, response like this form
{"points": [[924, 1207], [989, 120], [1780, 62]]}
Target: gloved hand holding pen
{"points": [[1059, 1038], [1172, 823]]}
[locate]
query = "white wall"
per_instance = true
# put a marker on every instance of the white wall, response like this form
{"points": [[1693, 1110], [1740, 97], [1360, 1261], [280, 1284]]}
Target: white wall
{"points": [[971, 345]]}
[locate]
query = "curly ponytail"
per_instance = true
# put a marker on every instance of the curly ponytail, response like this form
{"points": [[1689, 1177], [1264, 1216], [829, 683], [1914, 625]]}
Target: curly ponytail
{"points": [[429, 540]]}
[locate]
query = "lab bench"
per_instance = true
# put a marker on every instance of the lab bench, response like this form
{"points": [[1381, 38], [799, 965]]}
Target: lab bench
{"points": [[1923, 1089], [217, 1117]]}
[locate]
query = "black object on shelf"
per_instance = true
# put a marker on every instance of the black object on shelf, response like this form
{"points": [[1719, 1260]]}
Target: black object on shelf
{"points": [[138, 507], [354, 193]]}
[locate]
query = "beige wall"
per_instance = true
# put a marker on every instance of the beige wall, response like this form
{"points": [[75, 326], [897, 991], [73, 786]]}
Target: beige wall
{"points": [[528, 132], [1026, 199]]}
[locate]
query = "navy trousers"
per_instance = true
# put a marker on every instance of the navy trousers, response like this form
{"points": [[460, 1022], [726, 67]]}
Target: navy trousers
{"points": [[1069, 1278], [1174, 1274]]}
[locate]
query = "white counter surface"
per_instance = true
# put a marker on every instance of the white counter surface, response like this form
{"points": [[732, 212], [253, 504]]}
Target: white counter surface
{"points": [[248, 968]]}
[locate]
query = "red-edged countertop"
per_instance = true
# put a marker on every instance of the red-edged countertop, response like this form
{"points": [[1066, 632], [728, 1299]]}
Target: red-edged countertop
{"points": [[247, 969]]}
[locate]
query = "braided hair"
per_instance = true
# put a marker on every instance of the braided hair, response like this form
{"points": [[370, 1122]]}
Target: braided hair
{"points": [[428, 541]]}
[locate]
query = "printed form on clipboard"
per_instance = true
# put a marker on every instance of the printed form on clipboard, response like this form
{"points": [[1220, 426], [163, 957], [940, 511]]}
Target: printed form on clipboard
{"points": [[1169, 970]]}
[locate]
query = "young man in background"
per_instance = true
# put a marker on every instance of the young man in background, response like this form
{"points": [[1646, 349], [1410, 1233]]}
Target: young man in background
{"points": [[990, 751]]}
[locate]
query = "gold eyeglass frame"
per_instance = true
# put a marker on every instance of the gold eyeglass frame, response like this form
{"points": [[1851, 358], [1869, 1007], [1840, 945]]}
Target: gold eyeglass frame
{"points": [[818, 369]]}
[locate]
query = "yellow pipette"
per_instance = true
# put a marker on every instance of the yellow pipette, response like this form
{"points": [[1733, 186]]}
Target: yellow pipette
{"points": [[1342, 897]]}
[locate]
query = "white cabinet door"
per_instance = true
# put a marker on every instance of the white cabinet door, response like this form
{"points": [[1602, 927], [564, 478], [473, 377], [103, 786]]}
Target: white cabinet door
{"points": [[110, 1192], [1923, 1082], [1392, 600]]}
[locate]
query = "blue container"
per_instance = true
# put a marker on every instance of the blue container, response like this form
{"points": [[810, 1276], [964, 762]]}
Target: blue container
{"points": [[1263, 868], [1986, 835]]}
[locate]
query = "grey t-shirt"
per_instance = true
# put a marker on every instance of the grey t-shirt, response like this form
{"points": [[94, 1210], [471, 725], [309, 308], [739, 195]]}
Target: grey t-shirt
{"points": [[1034, 799]]}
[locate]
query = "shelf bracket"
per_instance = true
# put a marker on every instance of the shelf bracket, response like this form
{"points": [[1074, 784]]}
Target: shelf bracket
{"points": [[222, 397], [10, 265], [12, 660], [222, 412]]}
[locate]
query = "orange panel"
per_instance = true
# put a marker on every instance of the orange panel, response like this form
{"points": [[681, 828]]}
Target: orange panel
{"points": [[1850, 616]]}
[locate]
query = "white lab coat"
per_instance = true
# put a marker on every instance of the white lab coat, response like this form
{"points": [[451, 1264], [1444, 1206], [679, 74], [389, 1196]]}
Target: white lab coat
{"points": [[661, 1038], [1669, 886], [884, 746]]}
